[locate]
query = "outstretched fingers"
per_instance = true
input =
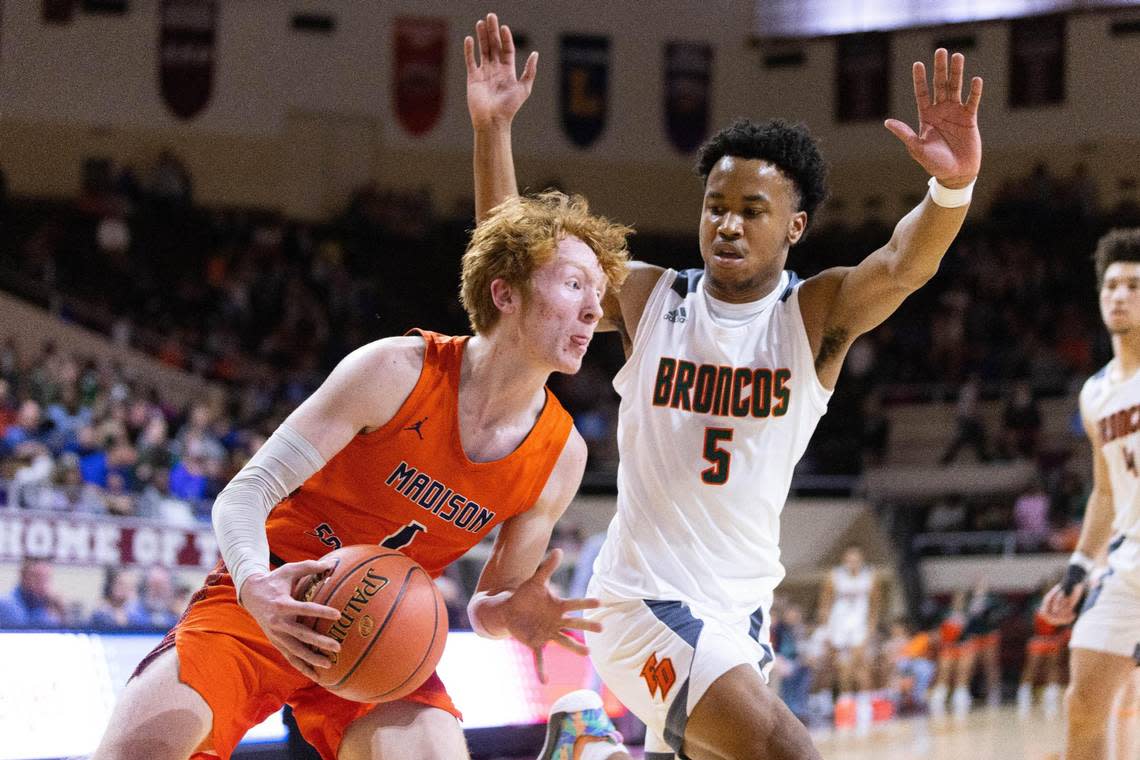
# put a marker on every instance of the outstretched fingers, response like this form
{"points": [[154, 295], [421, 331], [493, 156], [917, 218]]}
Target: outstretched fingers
{"points": [[469, 55], [571, 643], [957, 67], [975, 95], [529, 70], [941, 75], [494, 38], [548, 566], [921, 91]]}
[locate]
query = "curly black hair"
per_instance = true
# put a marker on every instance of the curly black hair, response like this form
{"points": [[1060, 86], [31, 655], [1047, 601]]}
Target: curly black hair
{"points": [[1116, 245], [788, 146]]}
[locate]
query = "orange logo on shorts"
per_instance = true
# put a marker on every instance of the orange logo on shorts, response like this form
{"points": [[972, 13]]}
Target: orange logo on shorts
{"points": [[659, 675]]}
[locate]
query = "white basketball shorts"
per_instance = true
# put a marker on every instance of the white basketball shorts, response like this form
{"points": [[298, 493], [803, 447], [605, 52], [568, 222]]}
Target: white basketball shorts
{"points": [[1110, 617], [660, 657]]}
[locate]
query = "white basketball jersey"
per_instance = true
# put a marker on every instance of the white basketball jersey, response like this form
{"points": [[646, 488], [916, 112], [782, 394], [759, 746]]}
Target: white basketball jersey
{"points": [[1113, 408], [851, 603], [712, 422]]}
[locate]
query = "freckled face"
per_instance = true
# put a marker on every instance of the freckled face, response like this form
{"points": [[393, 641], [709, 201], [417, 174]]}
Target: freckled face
{"points": [[562, 309]]}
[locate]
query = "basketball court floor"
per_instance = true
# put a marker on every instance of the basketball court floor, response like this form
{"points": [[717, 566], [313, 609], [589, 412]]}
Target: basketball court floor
{"points": [[986, 734]]}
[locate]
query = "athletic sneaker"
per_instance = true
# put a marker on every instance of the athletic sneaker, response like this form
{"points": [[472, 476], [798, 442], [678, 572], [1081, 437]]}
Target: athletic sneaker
{"points": [[576, 716]]}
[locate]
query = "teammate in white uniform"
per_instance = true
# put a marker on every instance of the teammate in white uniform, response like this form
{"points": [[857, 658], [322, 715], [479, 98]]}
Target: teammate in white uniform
{"points": [[849, 610], [729, 369], [1106, 638]]}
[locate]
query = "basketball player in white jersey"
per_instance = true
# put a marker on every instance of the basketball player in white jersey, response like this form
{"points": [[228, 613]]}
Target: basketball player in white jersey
{"points": [[849, 611], [729, 369], [1105, 646]]}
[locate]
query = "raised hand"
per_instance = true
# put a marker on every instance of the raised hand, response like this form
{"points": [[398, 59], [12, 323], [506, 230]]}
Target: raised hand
{"points": [[494, 91], [268, 597], [947, 145], [535, 615]]}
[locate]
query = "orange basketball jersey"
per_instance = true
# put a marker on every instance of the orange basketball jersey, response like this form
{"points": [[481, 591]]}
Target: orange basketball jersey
{"points": [[409, 485]]}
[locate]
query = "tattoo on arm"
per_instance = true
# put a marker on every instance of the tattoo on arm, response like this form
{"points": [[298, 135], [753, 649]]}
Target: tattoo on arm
{"points": [[830, 346]]}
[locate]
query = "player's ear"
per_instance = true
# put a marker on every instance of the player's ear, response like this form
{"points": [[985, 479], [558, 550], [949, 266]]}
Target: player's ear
{"points": [[796, 226], [505, 296]]}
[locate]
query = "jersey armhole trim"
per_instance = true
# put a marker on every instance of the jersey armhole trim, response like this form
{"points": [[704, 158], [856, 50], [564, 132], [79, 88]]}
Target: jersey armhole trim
{"points": [[819, 394], [641, 337]]}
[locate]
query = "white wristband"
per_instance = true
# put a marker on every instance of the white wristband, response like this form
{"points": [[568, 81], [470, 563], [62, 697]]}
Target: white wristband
{"points": [[951, 197], [1083, 560]]}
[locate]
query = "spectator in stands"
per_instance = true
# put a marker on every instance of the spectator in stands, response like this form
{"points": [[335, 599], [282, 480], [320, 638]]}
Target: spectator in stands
{"points": [[1021, 423], [66, 491], [169, 181], [152, 609], [28, 427], [971, 429], [7, 407], [1031, 517], [117, 499], [911, 669], [33, 603], [114, 611], [92, 456], [789, 636]]}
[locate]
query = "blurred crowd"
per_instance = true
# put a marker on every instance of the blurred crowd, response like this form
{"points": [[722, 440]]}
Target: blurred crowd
{"points": [[264, 306]]}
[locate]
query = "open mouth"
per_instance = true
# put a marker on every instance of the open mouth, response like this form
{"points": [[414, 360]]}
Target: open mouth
{"points": [[727, 253]]}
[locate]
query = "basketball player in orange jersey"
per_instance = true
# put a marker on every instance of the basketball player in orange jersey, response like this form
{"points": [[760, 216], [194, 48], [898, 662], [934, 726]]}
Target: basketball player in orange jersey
{"points": [[422, 443], [729, 368]]}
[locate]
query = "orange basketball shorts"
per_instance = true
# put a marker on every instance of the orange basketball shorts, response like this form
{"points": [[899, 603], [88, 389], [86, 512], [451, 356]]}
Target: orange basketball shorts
{"points": [[225, 657]]}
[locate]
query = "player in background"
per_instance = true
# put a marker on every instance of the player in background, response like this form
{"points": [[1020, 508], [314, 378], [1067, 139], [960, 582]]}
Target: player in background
{"points": [[849, 608], [422, 443], [1044, 652], [718, 403], [1105, 646]]}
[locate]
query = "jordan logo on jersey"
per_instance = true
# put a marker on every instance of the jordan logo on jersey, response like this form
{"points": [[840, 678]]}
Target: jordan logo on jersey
{"points": [[659, 675], [722, 391], [417, 427], [677, 315]]}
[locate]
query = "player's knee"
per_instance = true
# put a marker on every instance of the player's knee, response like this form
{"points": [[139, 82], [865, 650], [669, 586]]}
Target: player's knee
{"points": [[157, 717], [1085, 707]]}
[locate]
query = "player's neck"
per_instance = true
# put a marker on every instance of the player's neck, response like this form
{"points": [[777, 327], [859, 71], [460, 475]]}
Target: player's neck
{"points": [[496, 386], [1126, 352]]}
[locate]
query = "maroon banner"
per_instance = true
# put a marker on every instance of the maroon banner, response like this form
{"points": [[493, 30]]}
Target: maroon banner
{"points": [[71, 539], [1037, 61], [418, 87], [58, 11], [688, 71], [862, 77], [186, 54]]}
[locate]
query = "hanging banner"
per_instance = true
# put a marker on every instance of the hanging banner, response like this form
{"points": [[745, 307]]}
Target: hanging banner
{"points": [[419, 72], [57, 11], [862, 77], [688, 76], [1037, 61], [186, 55], [73, 539], [585, 86]]}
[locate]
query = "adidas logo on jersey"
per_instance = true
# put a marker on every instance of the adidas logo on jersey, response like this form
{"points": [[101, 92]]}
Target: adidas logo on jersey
{"points": [[677, 315]]}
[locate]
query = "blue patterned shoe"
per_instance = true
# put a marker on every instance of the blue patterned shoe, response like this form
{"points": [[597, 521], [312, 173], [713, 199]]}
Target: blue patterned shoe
{"points": [[574, 716]]}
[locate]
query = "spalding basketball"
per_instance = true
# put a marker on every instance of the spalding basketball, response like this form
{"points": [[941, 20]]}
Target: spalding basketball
{"points": [[392, 626]]}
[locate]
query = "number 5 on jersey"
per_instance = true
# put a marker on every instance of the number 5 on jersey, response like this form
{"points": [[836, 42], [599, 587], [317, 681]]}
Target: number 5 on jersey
{"points": [[717, 475]]}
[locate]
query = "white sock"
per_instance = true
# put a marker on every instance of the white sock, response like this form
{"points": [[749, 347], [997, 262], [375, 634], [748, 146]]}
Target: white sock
{"points": [[601, 750]]}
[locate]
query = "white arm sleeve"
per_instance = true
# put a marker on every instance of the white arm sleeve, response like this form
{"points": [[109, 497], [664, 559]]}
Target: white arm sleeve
{"points": [[278, 468]]}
